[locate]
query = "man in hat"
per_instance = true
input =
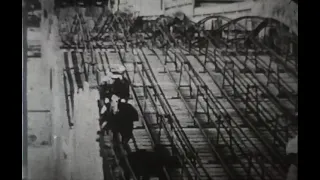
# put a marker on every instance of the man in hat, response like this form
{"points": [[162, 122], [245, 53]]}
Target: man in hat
{"points": [[114, 83], [105, 89], [120, 85]]}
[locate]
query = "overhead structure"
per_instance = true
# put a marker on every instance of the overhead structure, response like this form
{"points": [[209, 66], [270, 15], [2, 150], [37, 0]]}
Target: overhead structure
{"points": [[236, 81]]}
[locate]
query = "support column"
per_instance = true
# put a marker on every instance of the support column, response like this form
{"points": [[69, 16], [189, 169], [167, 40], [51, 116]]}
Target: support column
{"points": [[24, 94]]}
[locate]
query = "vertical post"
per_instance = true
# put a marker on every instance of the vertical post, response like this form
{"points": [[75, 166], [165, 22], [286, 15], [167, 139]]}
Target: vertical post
{"points": [[193, 6], [118, 4], [163, 3], [207, 103], [205, 57], [24, 94]]}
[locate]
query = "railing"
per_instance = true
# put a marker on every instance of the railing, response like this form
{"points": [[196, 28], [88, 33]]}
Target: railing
{"points": [[256, 115], [265, 141], [214, 148], [164, 117], [278, 79]]}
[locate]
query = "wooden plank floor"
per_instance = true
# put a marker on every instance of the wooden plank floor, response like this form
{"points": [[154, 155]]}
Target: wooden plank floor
{"points": [[214, 89], [177, 105]]}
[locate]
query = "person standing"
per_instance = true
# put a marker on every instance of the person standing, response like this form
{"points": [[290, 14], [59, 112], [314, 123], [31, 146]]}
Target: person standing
{"points": [[121, 86]]}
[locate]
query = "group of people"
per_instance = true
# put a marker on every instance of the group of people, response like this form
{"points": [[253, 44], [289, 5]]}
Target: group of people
{"points": [[114, 92], [117, 117], [114, 83]]}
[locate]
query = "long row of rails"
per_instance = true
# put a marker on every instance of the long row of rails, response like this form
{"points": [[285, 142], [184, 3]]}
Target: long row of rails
{"points": [[223, 123]]}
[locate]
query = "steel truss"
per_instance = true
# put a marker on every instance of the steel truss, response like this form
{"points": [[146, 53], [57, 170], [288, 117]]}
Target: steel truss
{"points": [[263, 109], [284, 90], [73, 79], [222, 121], [246, 91], [229, 173], [168, 122], [220, 118], [79, 29], [281, 84], [198, 88], [104, 149]]}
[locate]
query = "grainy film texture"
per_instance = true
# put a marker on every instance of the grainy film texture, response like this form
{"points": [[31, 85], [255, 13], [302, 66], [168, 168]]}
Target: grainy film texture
{"points": [[162, 89]]}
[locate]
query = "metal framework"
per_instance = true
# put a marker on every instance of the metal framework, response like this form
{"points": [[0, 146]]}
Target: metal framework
{"points": [[167, 119], [229, 65], [254, 87], [260, 64], [220, 118]]}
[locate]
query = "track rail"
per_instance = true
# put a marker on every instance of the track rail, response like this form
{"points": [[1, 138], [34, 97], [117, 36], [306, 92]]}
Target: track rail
{"points": [[167, 38], [234, 105], [247, 142], [167, 117]]}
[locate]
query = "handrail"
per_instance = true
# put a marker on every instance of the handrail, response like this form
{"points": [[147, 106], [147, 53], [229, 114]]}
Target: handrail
{"points": [[257, 82], [179, 127], [234, 106], [279, 59], [212, 147], [242, 83], [167, 114], [240, 61], [121, 148], [283, 83], [145, 122], [211, 77], [209, 38], [165, 128], [211, 97], [168, 106], [191, 67], [240, 113], [174, 116]]}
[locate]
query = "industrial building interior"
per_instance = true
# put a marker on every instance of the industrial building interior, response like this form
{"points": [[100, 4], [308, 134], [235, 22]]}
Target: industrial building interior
{"points": [[213, 81]]}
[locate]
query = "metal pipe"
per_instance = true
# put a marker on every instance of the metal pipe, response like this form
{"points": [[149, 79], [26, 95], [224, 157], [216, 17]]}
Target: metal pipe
{"points": [[167, 37], [210, 97], [240, 113], [213, 148], [156, 92]]}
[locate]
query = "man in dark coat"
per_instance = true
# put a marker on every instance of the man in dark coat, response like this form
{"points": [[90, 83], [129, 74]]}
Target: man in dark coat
{"points": [[115, 83], [121, 88], [120, 85]]}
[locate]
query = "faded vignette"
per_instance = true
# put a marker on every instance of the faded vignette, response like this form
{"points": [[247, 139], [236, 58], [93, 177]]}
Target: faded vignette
{"points": [[65, 146]]}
